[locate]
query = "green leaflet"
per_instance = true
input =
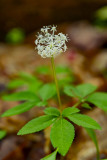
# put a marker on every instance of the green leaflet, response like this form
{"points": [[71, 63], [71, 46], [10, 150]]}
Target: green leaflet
{"points": [[47, 91], [84, 121], [86, 89], [62, 135], [41, 104], [72, 91], [64, 75], [52, 111], [79, 91], [86, 105], [16, 83], [2, 134], [52, 156], [34, 87], [92, 135], [99, 99], [62, 70], [32, 82], [27, 77], [65, 80], [19, 96], [21, 108], [43, 70], [37, 124], [69, 110]]}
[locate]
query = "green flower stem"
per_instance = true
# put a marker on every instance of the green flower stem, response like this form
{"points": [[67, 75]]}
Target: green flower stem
{"points": [[98, 152], [76, 105], [56, 82]]}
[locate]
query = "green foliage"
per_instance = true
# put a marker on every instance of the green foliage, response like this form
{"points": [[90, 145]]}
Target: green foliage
{"points": [[62, 135], [25, 79], [52, 156], [16, 83], [45, 70], [37, 94], [99, 99], [66, 80], [47, 91], [86, 105], [52, 111], [84, 121], [32, 82], [102, 13], [101, 17], [2, 134], [41, 103], [71, 91], [79, 91], [64, 75], [34, 87], [21, 108], [37, 124], [62, 69], [69, 110], [86, 89], [15, 36], [32, 101], [92, 135], [19, 96]]}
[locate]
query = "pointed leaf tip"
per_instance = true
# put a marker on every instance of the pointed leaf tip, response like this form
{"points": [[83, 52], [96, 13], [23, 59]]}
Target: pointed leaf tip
{"points": [[84, 121], [37, 124], [21, 108], [51, 156]]}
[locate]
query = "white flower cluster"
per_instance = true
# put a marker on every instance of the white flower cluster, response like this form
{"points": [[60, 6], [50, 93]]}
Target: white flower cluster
{"points": [[50, 44]]}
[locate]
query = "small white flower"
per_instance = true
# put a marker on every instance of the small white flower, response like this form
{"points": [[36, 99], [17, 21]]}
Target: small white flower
{"points": [[36, 41], [42, 29], [53, 29], [50, 44], [65, 48]]}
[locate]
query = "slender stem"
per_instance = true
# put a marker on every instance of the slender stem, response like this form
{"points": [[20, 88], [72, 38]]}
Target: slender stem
{"points": [[98, 152], [56, 83], [76, 105]]}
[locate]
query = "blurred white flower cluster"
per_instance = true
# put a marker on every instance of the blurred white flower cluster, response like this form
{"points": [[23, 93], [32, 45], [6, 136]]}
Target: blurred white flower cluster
{"points": [[50, 44]]}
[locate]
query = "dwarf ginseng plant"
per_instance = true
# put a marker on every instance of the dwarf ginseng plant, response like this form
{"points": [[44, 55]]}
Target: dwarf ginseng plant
{"points": [[62, 132]]}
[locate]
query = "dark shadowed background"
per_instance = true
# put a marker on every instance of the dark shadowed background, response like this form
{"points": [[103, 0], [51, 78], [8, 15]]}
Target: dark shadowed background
{"points": [[32, 14]]}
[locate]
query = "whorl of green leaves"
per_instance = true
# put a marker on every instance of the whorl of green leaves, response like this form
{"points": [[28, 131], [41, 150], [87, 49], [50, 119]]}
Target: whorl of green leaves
{"points": [[62, 131], [61, 123]]}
